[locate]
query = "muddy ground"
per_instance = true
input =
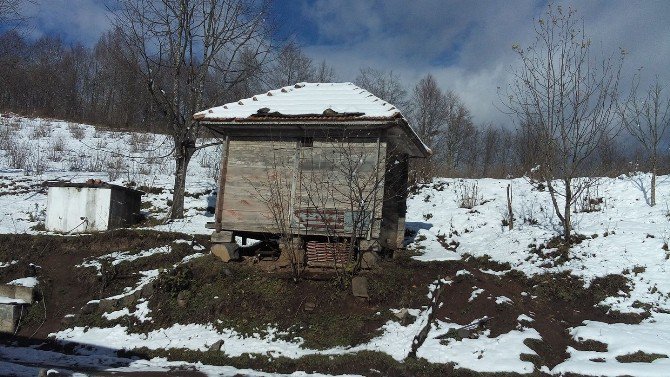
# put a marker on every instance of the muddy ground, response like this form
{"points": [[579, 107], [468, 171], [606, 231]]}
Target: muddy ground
{"points": [[322, 311]]}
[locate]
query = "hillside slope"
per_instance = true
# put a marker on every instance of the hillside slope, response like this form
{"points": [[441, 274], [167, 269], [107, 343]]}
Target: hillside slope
{"points": [[600, 308]]}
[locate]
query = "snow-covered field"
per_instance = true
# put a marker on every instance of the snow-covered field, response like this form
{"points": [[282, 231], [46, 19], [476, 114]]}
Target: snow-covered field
{"points": [[624, 236]]}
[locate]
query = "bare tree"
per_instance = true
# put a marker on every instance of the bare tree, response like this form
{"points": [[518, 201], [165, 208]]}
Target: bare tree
{"points": [[444, 123], [569, 95], [324, 73], [461, 135], [648, 120], [292, 66], [332, 187], [429, 118], [10, 11], [385, 85], [180, 45]]}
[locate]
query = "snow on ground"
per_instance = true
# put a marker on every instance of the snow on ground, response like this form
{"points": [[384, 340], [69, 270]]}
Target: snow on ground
{"points": [[624, 236], [7, 264], [483, 354], [36, 150], [652, 336]]}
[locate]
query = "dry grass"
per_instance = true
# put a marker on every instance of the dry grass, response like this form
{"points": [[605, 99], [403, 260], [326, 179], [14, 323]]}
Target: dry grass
{"points": [[42, 129], [77, 131]]}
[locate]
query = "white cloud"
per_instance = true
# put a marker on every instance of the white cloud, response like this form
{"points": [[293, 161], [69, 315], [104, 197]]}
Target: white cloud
{"points": [[467, 45], [75, 20]]}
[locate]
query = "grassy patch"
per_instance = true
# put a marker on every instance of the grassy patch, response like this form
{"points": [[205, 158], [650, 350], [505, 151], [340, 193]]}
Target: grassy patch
{"points": [[590, 345], [640, 357], [485, 262], [366, 363], [244, 298]]}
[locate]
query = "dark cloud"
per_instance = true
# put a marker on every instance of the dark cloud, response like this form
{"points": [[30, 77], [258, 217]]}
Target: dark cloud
{"points": [[467, 44]]}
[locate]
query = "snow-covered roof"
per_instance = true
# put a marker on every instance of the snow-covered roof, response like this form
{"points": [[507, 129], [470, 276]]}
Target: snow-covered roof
{"points": [[316, 104], [306, 100]]}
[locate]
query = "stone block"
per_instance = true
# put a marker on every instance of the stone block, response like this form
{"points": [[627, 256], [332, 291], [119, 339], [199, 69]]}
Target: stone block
{"points": [[224, 236], [226, 251], [17, 292], [310, 306], [287, 257], [216, 346], [369, 260], [359, 286], [148, 290], [24, 293], [90, 307], [369, 245], [128, 301], [9, 316], [109, 305], [7, 290]]}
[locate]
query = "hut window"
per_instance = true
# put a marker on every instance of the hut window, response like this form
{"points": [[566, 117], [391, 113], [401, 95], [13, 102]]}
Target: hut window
{"points": [[307, 142]]}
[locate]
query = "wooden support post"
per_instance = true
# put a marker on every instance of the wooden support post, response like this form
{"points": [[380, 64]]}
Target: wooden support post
{"points": [[377, 183], [223, 170]]}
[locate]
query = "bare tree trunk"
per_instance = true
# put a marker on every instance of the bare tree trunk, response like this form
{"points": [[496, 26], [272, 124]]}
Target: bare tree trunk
{"points": [[653, 179], [182, 159], [648, 120], [567, 227]]}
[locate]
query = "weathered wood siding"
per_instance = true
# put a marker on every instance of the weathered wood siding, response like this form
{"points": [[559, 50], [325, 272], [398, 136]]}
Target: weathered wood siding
{"points": [[333, 175], [301, 176], [395, 200]]}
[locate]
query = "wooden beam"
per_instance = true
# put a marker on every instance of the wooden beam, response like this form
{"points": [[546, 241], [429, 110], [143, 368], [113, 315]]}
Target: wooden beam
{"points": [[223, 170]]}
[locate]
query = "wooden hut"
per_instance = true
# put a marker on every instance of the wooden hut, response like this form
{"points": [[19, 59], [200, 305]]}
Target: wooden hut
{"points": [[318, 161]]}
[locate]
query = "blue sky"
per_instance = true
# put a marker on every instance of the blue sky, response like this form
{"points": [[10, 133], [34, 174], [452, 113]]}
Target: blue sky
{"points": [[465, 44]]}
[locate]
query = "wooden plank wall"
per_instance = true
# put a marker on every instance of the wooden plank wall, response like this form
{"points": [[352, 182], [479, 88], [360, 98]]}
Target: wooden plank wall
{"points": [[333, 175], [301, 175]]}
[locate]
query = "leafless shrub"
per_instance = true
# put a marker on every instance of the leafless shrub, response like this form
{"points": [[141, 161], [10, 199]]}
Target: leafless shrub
{"points": [[211, 162], [468, 195], [77, 131], [591, 204], [100, 144], [115, 167], [37, 163], [58, 144], [75, 163], [205, 159], [92, 163], [42, 129], [56, 149], [213, 172], [144, 169], [140, 141], [7, 137], [17, 155], [15, 124]]}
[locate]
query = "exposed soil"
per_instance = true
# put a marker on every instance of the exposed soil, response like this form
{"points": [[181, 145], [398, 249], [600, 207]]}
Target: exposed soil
{"points": [[556, 302], [321, 310], [64, 288]]}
